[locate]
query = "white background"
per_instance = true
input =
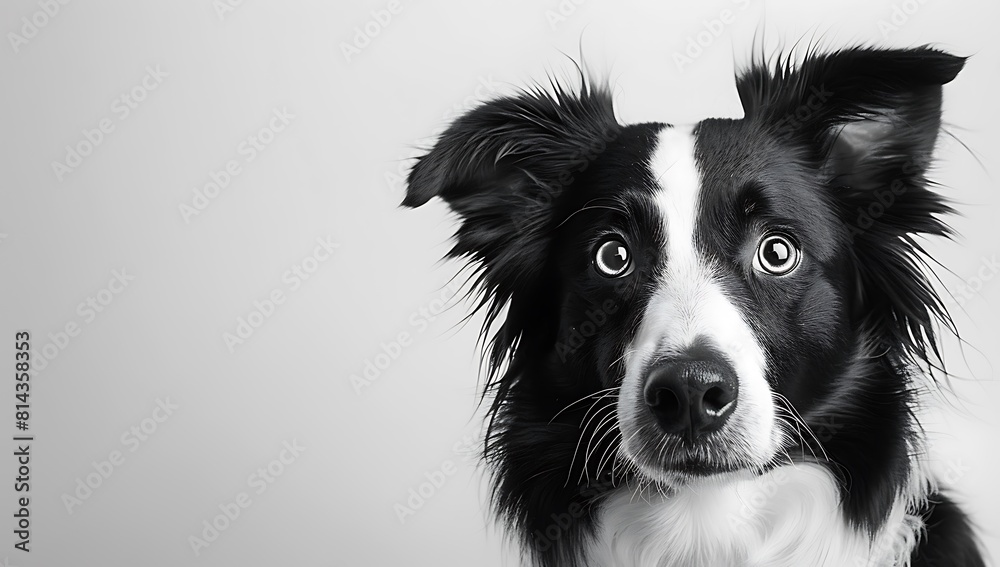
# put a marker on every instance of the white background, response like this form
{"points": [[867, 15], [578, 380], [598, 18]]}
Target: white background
{"points": [[333, 173]]}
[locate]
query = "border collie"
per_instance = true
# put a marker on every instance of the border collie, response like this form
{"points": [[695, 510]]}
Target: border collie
{"points": [[708, 340]]}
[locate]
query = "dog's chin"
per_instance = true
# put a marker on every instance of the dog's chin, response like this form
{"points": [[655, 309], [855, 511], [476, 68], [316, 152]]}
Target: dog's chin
{"points": [[692, 472], [691, 467]]}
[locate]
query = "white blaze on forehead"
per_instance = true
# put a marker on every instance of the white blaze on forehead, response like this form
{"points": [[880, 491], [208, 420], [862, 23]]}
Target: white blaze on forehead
{"points": [[678, 177], [689, 291], [689, 304]]}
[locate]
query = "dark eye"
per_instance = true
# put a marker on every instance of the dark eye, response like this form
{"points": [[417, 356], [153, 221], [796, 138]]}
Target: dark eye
{"points": [[777, 255], [612, 258]]}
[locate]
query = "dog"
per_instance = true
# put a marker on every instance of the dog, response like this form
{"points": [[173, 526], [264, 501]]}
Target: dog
{"points": [[706, 342]]}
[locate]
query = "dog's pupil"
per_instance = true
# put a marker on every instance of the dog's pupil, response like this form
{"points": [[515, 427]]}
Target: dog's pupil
{"points": [[778, 252], [621, 255], [615, 255]]}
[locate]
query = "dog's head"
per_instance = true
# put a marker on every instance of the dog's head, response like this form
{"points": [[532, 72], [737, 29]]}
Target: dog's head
{"points": [[722, 286]]}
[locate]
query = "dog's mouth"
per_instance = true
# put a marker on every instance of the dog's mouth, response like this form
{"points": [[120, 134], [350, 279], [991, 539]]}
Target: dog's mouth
{"points": [[698, 468], [672, 460]]}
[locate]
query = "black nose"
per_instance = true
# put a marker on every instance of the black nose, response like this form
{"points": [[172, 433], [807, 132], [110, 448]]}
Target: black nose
{"points": [[691, 398]]}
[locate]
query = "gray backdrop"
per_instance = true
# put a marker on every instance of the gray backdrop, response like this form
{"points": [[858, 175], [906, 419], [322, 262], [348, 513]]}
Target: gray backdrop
{"points": [[198, 227]]}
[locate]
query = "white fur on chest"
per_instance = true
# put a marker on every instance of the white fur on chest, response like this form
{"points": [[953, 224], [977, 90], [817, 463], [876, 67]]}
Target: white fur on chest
{"points": [[789, 517]]}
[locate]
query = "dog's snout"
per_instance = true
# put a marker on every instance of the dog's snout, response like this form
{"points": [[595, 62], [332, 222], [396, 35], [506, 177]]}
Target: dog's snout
{"points": [[691, 398]]}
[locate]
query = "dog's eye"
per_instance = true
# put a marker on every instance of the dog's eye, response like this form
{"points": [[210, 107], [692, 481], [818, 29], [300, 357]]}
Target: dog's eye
{"points": [[612, 258], [777, 255]]}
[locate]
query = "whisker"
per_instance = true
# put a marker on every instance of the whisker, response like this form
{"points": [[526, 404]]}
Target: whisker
{"points": [[579, 441], [609, 451], [591, 395], [587, 453], [798, 417]]}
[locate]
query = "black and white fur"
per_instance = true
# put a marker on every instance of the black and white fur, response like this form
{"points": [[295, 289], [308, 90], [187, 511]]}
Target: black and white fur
{"points": [[700, 408]]}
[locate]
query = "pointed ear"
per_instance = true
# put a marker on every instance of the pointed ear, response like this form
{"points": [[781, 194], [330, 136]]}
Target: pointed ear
{"points": [[868, 120], [513, 147], [872, 116], [503, 166]]}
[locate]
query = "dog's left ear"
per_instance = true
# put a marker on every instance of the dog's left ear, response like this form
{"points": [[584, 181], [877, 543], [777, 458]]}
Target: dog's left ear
{"points": [[871, 115], [868, 119]]}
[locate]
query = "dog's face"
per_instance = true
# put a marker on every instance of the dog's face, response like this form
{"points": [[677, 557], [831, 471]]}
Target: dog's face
{"points": [[713, 284], [719, 263]]}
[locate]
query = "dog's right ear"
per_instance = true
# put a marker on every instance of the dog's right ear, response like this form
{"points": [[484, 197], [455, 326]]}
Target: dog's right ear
{"points": [[514, 147], [503, 166]]}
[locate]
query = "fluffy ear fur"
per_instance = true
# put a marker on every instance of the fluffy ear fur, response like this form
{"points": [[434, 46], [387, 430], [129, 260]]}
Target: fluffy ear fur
{"points": [[503, 168], [871, 118]]}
